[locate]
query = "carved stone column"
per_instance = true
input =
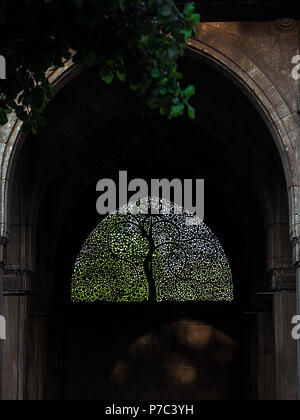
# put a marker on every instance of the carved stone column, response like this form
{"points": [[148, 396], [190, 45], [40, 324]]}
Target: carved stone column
{"points": [[16, 296], [283, 292], [298, 313], [296, 255], [3, 243], [38, 378], [283, 279]]}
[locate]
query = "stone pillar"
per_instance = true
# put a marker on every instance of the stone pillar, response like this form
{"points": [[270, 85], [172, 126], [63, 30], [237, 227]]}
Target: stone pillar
{"points": [[296, 255], [3, 243], [1, 314], [285, 307], [298, 313], [16, 290], [281, 300], [37, 379], [266, 349], [285, 346]]}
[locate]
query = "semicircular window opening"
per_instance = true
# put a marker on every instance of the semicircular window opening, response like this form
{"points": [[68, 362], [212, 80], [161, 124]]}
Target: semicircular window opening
{"points": [[132, 256]]}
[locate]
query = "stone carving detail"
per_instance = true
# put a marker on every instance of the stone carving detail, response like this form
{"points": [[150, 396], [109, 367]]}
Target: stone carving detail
{"points": [[286, 24], [17, 282], [283, 279]]}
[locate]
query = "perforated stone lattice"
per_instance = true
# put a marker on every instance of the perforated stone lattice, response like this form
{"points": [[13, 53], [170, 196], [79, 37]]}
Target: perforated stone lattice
{"points": [[130, 253]]}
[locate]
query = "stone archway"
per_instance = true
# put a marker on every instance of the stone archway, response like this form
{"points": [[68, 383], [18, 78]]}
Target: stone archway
{"points": [[264, 94], [221, 47], [279, 113]]}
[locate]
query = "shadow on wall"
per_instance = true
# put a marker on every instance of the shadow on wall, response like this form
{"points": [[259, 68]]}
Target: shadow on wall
{"points": [[182, 360]]}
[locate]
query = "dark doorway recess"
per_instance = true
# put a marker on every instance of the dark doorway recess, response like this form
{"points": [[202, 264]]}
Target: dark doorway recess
{"points": [[158, 351], [151, 351]]}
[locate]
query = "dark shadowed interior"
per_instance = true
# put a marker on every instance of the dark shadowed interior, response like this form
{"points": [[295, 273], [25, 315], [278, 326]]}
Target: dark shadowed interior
{"points": [[167, 351]]}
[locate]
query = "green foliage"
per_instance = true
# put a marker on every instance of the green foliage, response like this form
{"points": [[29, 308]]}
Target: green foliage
{"points": [[135, 41]]}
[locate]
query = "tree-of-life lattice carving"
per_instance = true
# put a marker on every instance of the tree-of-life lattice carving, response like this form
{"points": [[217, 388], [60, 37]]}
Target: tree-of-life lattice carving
{"points": [[133, 256]]}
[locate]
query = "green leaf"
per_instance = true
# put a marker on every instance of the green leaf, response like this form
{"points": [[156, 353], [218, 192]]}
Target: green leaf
{"points": [[187, 33], [189, 9], [177, 110], [3, 117], [163, 91], [145, 39], [195, 19], [155, 74], [189, 92], [108, 79], [121, 76], [191, 112], [122, 6], [134, 87]]}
